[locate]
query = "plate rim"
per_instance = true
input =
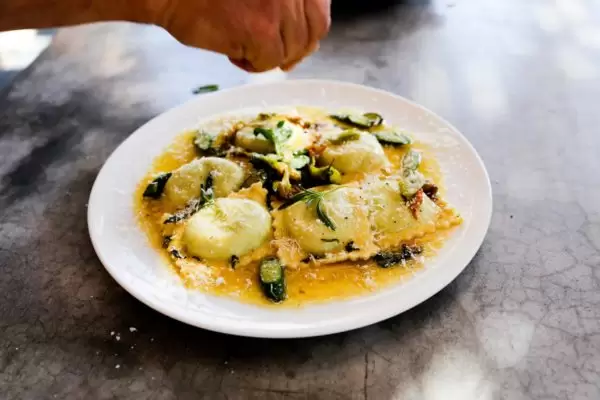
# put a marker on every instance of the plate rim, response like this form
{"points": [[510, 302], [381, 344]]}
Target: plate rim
{"points": [[342, 325]]}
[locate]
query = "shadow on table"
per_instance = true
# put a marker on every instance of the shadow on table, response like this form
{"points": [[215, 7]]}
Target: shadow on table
{"points": [[378, 21], [355, 9]]}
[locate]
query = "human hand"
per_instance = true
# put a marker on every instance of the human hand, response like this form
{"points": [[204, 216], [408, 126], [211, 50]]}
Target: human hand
{"points": [[256, 35]]}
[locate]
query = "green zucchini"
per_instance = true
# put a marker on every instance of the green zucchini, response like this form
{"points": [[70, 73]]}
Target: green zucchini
{"points": [[365, 121], [346, 136], [272, 279], [327, 174]]}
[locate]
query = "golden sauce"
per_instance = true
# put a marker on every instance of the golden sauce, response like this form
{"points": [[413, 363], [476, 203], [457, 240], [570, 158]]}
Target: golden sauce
{"points": [[306, 285]]}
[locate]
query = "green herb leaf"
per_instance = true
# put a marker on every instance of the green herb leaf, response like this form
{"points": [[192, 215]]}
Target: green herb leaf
{"points": [[208, 184], [386, 259], [299, 161], [206, 198], [277, 136], [203, 141], [311, 197], [411, 161], [266, 132], [322, 215], [155, 189], [176, 254], [411, 183], [350, 247], [302, 196], [233, 261], [205, 89]]}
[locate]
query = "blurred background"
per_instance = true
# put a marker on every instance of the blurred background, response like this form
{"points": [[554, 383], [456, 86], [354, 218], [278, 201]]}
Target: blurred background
{"points": [[18, 49]]}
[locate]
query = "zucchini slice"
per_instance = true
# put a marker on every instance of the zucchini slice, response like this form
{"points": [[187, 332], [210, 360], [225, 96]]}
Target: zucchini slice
{"points": [[392, 138], [365, 121], [272, 279]]}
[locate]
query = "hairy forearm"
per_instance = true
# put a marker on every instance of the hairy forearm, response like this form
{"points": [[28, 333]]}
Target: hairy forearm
{"points": [[22, 14]]}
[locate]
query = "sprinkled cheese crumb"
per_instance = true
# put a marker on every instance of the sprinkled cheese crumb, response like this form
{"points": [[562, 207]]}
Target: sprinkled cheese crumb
{"points": [[118, 366], [370, 282], [132, 329], [219, 281]]}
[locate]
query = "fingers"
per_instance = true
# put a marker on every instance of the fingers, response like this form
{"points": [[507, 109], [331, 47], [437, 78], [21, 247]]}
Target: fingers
{"points": [[316, 25], [243, 64], [266, 50], [289, 65], [285, 42], [294, 31], [318, 18]]}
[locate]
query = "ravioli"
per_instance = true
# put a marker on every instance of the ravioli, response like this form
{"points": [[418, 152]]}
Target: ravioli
{"points": [[313, 236], [303, 235], [186, 182], [229, 227], [248, 139], [301, 194], [364, 154], [392, 219]]}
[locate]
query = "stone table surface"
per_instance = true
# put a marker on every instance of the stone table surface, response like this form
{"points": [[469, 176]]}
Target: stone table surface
{"points": [[520, 79]]}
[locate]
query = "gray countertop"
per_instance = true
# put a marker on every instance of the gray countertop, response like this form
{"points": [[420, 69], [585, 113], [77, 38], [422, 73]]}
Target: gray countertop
{"points": [[521, 79]]}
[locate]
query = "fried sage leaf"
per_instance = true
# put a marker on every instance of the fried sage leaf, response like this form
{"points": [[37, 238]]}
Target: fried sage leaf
{"points": [[206, 198], [206, 89], [386, 259], [278, 136], [299, 161], [155, 189], [411, 161]]}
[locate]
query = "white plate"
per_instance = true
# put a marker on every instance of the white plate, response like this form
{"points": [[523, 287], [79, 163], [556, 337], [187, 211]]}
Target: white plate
{"points": [[123, 248]]}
